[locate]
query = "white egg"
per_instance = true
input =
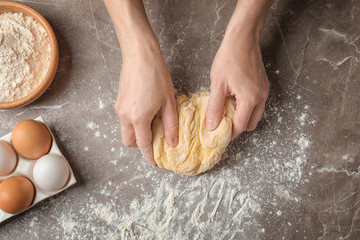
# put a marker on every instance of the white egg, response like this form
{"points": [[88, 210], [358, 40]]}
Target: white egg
{"points": [[8, 158], [51, 172]]}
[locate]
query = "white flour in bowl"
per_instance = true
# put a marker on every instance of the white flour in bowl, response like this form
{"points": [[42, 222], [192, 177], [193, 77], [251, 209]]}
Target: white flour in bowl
{"points": [[25, 54]]}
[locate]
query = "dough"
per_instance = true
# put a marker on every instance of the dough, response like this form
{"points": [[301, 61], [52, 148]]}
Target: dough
{"points": [[198, 149]]}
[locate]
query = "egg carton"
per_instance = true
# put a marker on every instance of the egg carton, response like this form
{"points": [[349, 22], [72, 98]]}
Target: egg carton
{"points": [[25, 167]]}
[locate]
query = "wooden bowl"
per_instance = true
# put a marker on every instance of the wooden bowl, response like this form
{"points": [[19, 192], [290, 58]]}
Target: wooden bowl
{"points": [[7, 6]]}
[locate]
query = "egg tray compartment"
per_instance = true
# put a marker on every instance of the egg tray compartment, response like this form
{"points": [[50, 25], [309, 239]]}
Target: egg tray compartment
{"points": [[25, 167]]}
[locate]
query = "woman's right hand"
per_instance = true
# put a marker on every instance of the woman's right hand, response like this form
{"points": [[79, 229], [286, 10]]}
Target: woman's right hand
{"points": [[145, 87], [145, 90]]}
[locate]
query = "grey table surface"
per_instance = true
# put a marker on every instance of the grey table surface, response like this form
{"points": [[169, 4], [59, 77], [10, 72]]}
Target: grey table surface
{"points": [[295, 177]]}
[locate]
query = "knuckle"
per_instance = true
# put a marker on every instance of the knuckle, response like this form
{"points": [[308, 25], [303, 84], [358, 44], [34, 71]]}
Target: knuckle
{"points": [[116, 105], [144, 145], [170, 106], [171, 128], [216, 84], [213, 76], [212, 117], [265, 93], [117, 108], [137, 117], [121, 111], [212, 108], [170, 93], [253, 100], [122, 114]]}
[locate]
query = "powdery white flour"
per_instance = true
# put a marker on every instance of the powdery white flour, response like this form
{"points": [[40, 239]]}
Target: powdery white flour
{"points": [[24, 55], [259, 182]]}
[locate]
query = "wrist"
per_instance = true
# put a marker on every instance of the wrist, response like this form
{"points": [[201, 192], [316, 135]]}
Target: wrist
{"points": [[240, 32], [248, 20], [134, 43], [137, 40], [132, 27]]}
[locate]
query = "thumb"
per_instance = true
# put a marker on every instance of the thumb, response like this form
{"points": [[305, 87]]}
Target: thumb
{"points": [[170, 122], [215, 108]]}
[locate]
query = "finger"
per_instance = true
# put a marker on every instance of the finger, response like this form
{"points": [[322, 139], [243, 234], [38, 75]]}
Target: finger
{"points": [[170, 122], [143, 141], [255, 117], [215, 108], [241, 117], [128, 135]]}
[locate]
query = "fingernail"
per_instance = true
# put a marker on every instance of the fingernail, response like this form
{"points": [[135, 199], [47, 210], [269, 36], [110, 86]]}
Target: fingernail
{"points": [[151, 161], [210, 124], [174, 141], [148, 155]]}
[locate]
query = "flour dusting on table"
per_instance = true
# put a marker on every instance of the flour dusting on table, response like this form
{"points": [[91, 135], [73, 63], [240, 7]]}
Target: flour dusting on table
{"points": [[226, 202]]}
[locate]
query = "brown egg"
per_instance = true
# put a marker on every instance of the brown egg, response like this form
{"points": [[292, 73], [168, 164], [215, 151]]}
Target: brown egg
{"points": [[16, 194], [31, 139]]}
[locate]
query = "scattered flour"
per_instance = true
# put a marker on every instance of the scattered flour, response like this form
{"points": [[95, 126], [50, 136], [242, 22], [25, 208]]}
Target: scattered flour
{"points": [[303, 118], [68, 225], [101, 104], [303, 142], [33, 221], [259, 175], [24, 55], [92, 125]]}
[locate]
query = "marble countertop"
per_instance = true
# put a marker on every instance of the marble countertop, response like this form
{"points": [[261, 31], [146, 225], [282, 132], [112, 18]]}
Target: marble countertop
{"points": [[295, 177]]}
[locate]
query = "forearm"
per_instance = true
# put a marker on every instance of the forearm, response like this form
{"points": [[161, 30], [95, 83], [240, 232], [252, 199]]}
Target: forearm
{"points": [[249, 18], [132, 26]]}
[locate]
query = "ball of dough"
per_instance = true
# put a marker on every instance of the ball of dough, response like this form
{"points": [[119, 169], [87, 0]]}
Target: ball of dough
{"points": [[198, 149]]}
